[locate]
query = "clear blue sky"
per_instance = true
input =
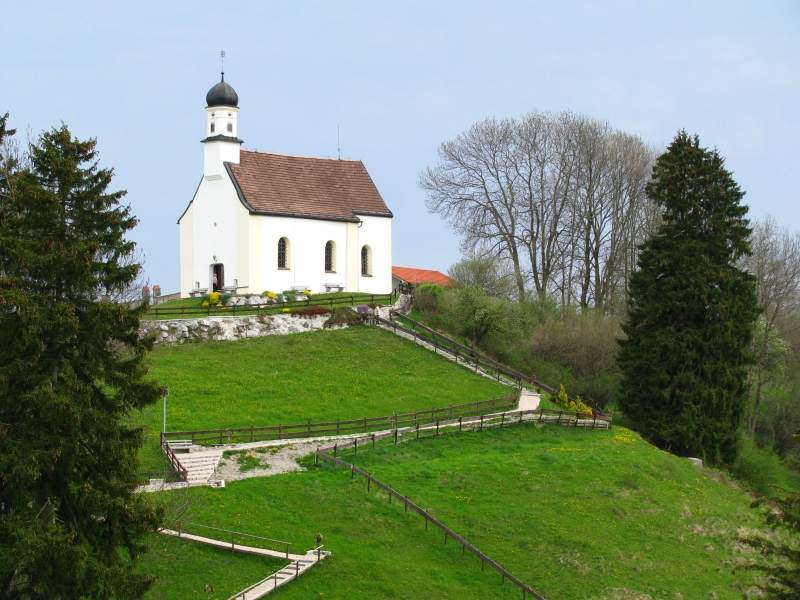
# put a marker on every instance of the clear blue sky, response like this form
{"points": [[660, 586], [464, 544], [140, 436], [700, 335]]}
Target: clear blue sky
{"points": [[400, 78]]}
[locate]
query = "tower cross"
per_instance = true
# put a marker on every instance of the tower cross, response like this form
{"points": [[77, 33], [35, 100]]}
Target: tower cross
{"points": [[222, 63]]}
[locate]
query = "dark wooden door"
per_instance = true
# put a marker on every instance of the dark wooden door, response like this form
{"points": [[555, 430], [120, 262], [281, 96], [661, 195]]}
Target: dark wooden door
{"points": [[219, 277]]}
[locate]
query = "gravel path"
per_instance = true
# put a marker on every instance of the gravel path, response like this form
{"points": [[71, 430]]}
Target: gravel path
{"points": [[274, 460]]}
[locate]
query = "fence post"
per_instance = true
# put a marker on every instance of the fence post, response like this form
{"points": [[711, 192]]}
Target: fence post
{"points": [[417, 430], [355, 446], [561, 412], [373, 441], [541, 414], [395, 434], [481, 422], [316, 457], [287, 549], [334, 448], [502, 420], [459, 424], [437, 427]]}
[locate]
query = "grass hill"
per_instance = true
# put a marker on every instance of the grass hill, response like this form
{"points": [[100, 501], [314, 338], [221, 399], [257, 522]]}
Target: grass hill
{"points": [[322, 375], [574, 514]]}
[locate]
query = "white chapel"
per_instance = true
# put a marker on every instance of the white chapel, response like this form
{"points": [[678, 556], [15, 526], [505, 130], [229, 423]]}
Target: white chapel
{"points": [[260, 221]]}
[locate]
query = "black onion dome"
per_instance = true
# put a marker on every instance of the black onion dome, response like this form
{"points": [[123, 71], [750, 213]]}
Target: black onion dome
{"points": [[222, 95]]}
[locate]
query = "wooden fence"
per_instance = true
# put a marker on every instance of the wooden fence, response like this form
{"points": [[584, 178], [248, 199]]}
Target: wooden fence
{"points": [[181, 312], [342, 427], [466, 546], [441, 341]]}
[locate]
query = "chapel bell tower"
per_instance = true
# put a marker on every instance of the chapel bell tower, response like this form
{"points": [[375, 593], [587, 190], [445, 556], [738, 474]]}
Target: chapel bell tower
{"points": [[222, 141]]}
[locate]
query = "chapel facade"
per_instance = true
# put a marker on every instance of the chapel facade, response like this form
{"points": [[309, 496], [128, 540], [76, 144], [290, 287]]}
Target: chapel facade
{"points": [[270, 222]]}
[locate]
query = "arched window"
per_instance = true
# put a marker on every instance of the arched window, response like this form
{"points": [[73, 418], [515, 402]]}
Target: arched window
{"points": [[283, 253], [330, 256], [366, 261]]}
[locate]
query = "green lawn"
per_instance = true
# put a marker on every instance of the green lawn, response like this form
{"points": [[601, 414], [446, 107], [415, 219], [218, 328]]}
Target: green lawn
{"points": [[578, 514], [378, 551], [322, 375], [183, 568], [575, 514]]}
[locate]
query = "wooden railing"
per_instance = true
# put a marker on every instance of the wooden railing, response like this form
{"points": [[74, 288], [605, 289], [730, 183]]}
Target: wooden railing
{"points": [[472, 356], [173, 460], [408, 503], [232, 535], [341, 427], [180, 312]]}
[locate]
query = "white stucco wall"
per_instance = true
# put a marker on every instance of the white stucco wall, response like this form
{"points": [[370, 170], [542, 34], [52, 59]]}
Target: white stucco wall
{"points": [[218, 226], [376, 232], [306, 266], [306, 255]]}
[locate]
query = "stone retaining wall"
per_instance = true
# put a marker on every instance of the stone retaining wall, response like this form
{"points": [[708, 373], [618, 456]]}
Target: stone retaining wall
{"points": [[179, 331]]}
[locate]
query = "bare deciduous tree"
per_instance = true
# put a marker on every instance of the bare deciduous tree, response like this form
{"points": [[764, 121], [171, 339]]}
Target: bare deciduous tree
{"points": [[775, 263], [561, 197]]}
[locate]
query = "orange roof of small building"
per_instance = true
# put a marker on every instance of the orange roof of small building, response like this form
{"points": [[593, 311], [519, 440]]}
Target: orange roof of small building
{"points": [[418, 276]]}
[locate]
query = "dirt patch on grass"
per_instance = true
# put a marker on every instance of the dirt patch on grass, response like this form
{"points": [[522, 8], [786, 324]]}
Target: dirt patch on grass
{"points": [[263, 461]]}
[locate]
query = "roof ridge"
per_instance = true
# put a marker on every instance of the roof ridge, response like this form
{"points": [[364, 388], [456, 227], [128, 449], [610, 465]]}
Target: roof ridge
{"points": [[355, 160]]}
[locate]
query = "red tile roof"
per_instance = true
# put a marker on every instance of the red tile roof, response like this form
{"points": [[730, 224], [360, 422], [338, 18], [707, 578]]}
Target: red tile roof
{"points": [[417, 276], [322, 188]]}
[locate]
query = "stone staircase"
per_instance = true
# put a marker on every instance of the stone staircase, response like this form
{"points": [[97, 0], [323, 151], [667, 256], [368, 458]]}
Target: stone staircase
{"points": [[200, 465]]}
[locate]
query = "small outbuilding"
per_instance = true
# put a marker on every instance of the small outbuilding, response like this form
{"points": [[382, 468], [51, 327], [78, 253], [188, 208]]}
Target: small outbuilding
{"points": [[412, 277]]}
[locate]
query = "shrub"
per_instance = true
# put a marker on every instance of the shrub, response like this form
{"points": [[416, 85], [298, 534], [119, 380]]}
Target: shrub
{"points": [[344, 316], [760, 469], [289, 295], [477, 315], [428, 297], [562, 400], [225, 297], [270, 295], [212, 298]]}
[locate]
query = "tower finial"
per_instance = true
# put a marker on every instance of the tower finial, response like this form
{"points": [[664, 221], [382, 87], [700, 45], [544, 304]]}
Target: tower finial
{"points": [[222, 63]]}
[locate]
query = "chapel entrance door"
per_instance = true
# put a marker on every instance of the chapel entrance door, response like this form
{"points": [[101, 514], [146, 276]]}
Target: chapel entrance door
{"points": [[217, 277]]}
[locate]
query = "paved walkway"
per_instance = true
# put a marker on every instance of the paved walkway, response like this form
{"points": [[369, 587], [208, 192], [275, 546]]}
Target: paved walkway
{"points": [[299, 563]]}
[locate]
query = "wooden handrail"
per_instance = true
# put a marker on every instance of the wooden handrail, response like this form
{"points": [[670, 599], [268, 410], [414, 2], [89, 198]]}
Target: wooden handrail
{"points": [[342, 425], [495, 364]]}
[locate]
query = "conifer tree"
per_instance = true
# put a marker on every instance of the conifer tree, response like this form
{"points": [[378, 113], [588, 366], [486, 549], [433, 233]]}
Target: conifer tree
{"points": [[71, 371], [691, 310]]}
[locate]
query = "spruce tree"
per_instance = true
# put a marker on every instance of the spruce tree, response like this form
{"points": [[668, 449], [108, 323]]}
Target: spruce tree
{"points": [[72, 370], [691, 310]]}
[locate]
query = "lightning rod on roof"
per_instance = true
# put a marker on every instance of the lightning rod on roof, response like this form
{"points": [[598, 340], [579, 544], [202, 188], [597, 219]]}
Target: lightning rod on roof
{"points": [[222, 64]]}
